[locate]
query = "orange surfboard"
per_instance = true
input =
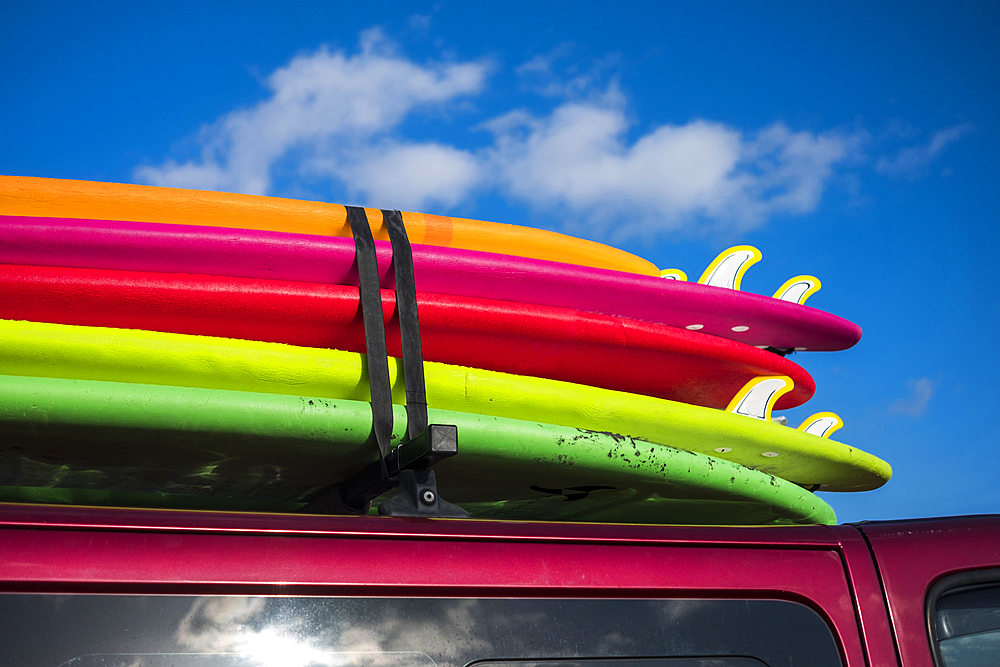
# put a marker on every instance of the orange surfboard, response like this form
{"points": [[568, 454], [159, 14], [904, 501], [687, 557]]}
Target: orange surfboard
{"points": [[57, 198]]}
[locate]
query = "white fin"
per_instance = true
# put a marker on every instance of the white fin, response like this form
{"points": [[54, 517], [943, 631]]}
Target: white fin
{"points": [[798, 289], [728, 268], [821, 424], [758, 396], [673, 274]]}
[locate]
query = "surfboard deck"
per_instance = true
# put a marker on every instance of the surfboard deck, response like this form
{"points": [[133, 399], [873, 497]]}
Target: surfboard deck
{"points": [[752, 319], [94, 353], [522, 339], [116, 442], [49, 197]]}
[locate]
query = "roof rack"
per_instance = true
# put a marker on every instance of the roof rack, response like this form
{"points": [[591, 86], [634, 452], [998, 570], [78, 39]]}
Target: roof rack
{"points": [[408, 464]]}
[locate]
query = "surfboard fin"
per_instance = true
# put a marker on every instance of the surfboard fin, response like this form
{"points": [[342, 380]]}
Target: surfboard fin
{"points": [[798, 289], [822, 424], [758, 396], [728, 268]]}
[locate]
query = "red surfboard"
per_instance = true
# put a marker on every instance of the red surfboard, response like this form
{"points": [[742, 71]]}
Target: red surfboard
{"points": [[543, 341]]}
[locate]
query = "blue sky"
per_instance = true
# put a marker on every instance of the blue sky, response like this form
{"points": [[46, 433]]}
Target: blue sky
{"points": [[857, 143]]}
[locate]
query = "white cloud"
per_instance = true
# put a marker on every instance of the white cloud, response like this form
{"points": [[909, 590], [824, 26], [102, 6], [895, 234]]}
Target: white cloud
{"points": [[578, 157], [539, 75], [338, 117], [329, 106], [407, 176], [209, 624], [915, 405], [419, 21], [911, 162]]}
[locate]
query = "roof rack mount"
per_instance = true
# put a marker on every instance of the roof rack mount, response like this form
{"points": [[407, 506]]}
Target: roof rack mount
{"points": [[407, 465]]}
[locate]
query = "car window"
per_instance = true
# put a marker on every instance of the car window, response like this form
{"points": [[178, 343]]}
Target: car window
{"points": [[224, 631], [968, 627], [728, 661]]}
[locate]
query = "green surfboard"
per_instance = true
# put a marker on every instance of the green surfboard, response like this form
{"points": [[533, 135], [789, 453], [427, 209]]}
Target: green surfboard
{"points": [[125, 355], [120, 443]]}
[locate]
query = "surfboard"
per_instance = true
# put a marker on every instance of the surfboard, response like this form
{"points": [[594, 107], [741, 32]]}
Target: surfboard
{"points": [[95, 353], [752, 319], [49, 197], [139, 444], [522, 339]]}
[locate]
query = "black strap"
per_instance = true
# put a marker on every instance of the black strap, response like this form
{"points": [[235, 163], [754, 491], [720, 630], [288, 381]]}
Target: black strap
{"points": [[425, 445], [371, 313], [409, 325]]}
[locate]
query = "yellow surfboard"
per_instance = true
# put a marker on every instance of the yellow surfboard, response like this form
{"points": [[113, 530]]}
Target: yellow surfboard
{"points": [[125, 355], [56, 198]]}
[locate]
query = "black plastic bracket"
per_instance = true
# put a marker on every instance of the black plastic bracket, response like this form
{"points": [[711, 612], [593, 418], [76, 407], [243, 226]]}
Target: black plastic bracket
{"points": [[355, 494], [418, 496], [435, 443]]}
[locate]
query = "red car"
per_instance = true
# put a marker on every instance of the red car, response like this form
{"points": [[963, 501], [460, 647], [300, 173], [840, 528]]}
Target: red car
{"points": [[85, 586]]}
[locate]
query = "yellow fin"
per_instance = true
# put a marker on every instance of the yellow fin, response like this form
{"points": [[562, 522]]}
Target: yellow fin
{"points": [[728, 268], [798, 289], [758, 396], [822, 424]]}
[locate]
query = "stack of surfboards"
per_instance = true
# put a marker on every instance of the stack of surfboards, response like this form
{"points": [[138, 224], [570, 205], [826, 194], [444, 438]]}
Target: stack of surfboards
{"points": [[183, 348]]}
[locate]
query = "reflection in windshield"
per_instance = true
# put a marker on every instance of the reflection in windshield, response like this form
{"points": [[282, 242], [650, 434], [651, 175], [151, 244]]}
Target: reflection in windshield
{"points": [[245, 626], [968, 627], [979, 650], [225, 631], [268, 655]]}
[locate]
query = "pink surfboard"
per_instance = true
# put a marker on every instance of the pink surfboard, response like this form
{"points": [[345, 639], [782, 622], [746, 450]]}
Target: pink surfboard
{"points": [[106, 244]]}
